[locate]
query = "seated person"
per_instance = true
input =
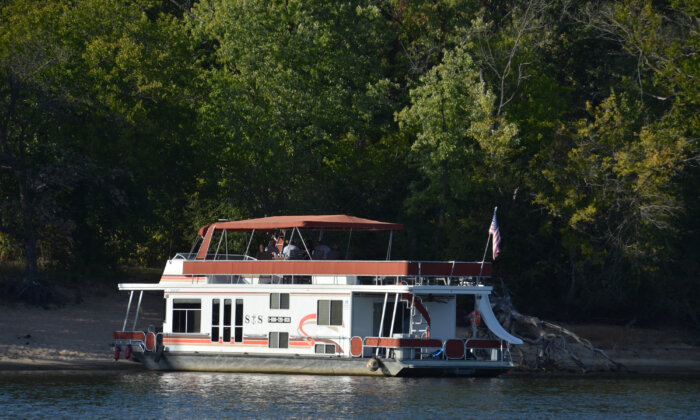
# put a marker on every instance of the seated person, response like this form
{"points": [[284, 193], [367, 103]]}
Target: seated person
{"points": [[334, 253], [321, 251], [291, 251], [272, 249], [263, 254]]}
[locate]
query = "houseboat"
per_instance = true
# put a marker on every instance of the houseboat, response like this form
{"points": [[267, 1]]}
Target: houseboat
{"points": [[298, 309]]}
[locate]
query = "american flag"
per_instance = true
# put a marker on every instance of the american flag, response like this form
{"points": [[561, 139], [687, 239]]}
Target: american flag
{"points": [[496, 236]]}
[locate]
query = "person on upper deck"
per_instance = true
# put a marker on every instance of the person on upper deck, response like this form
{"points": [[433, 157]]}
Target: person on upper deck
{"points": [[310, 249], [263, 254], [334, 253], [271, 249], [321, 251], [291, 251]]}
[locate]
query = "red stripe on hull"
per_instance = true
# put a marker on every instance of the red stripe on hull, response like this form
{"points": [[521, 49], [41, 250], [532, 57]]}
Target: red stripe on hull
{"points": [[401, 342]]}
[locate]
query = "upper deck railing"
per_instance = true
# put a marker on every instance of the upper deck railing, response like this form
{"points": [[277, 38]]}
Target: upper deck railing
{"points": [[378, 272], [191, 256]]}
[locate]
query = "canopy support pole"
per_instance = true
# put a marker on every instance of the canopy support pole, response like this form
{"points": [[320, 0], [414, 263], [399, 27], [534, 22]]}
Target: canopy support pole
{"points": [[194, 244], [291, 238], [223, 232], [138, 307], [247, 248], [347, 249], [128, 308], [391, 238], [304, 243]]}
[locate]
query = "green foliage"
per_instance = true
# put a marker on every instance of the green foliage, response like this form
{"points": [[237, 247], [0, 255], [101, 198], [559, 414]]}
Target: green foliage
{"points": [[296, 91], [126, 126], [460, 147]]}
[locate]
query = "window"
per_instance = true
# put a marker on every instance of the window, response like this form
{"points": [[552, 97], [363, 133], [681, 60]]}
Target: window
{"points": [[216, 317], [187, 315], [279, 300], [279, 340], [325, 348], [215, 305], [330, 312], [227, 320], [238, 330]]}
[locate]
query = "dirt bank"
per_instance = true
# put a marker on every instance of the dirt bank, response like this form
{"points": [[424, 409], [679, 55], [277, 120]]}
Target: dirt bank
{"points": [[76, 336], [666, 350]]}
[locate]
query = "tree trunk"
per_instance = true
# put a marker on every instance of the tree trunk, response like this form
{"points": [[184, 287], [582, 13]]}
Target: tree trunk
{"points": [[30, 288]]}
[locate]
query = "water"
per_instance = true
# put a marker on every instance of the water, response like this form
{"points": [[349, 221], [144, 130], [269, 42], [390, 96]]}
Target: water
{"points": [[223, 395]]}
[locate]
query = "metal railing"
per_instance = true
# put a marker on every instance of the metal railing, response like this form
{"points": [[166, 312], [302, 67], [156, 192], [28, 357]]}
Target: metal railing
{"points": [[191, 256], [484, 350]]}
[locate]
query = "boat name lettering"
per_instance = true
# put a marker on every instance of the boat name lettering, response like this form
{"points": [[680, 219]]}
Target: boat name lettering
{"points": [[253, 319]]}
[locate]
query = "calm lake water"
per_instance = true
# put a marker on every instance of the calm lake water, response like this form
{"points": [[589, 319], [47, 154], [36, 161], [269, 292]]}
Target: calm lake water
{"points": [[222, 395]]}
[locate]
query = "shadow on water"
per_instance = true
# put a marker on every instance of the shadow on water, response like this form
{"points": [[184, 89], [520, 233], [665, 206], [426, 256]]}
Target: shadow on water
{"points": [[217, 395]]}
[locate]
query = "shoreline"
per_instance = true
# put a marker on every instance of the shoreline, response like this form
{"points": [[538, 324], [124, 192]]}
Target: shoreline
{"points": [[78, 338], [684, 369], [27, 365]]}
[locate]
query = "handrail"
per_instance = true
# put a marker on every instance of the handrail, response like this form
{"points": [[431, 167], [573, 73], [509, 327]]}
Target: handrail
{"points": [[390, 343], [186, 256]]}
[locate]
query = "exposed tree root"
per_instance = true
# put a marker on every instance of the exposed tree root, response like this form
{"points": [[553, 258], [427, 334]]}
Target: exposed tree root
{"points": [[547, 346]]}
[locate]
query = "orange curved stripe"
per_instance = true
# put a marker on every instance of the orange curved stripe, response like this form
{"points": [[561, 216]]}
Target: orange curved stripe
{"points": [[303, 320]]}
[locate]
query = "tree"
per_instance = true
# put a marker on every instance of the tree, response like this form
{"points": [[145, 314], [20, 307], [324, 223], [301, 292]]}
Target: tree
{"points": [[613, 176], [36, 110], [460, 146], [87, 95], [297, 97]]}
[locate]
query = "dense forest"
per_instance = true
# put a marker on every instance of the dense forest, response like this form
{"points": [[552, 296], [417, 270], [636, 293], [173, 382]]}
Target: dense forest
{"points": [[124, 126]]}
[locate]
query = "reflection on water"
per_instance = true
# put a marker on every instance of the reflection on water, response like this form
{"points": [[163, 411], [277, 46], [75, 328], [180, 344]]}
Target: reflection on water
{"points": [[223, 395]]}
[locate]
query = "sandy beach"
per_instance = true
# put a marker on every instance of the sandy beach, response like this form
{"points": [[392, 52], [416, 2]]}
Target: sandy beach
{"points": [[79, 336], [76, 336], [648, 351]]}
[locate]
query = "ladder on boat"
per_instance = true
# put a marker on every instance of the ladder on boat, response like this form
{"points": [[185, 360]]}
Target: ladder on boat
{"points": [[418, 324]]}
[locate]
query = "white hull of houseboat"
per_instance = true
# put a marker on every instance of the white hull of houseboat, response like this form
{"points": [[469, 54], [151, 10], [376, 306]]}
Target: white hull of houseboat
{"points": [[233, 313], [332, 365]]}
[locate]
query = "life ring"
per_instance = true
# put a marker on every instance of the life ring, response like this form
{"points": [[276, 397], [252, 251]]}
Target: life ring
{"points": [[475, 318]]}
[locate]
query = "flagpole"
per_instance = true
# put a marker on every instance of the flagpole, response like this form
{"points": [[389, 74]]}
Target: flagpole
{"points": [[487, 246]]}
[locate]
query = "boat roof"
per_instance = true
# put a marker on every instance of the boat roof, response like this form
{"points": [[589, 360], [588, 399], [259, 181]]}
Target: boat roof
{"points": [[320, 222]]}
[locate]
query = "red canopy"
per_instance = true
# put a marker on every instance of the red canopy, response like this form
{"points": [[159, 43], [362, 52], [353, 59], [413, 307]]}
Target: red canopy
{"points": [[325, 222]]}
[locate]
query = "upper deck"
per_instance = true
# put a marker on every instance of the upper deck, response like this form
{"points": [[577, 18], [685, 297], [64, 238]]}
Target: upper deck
{"points": [[207, 265], [239, 269]]}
